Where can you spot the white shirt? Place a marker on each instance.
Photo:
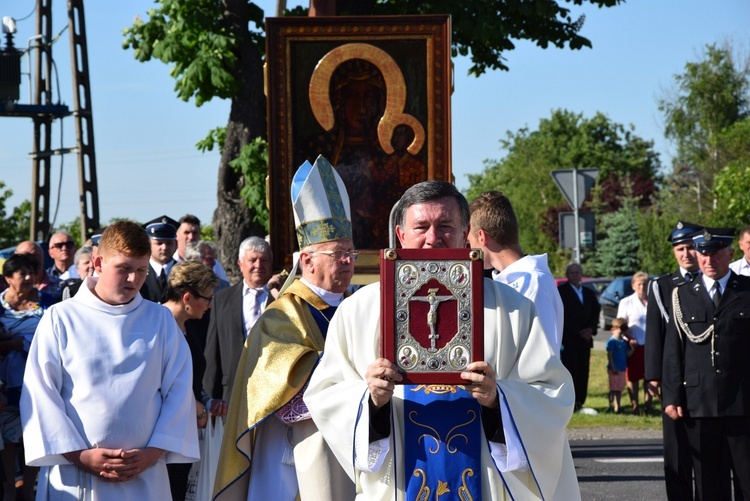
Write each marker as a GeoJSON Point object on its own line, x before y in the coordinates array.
{"type": "Point", "coordinates": [253, 301]}
{"type": "Point", "coordinates": [708, 283]}
{"type": "Point", "coordinates": [633, 309]}
{"type": "Point", "coordinates": [158, 267]}
{"type": "Point", "coordinates": [740, 267]}
{"type": "Point", "coordinates": [532, 277]}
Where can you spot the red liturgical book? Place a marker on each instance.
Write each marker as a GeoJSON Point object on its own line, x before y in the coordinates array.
{"type": "Point", "coordinates": [431, 312]}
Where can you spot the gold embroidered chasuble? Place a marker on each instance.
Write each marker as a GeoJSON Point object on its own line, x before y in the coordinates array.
{"type": "Point", "coordinates": [279, 355]}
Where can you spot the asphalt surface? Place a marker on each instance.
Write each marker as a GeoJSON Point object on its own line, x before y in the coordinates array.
{"type": "Point", "coordinates": [629, 469]}
{"type": "Point", "coordinates": [617, 464]}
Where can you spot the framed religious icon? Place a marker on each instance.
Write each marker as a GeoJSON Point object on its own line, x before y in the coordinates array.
{"type": "Point", "coordinates": [370, 94]}
{"type": "Point", "coordinates": [431, 312]}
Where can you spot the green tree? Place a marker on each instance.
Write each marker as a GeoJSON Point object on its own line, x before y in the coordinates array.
{"type": "Point", "coordinates": [563, 141]}
{"type": "Point", "coordinates": [619, 243]}
{"type": "Point", "coordinates": [217, 48]}
{"type": "Point", "coordinates": [655, 253]}
{"type": "Point", "coordinates": [16, 226]}
{"type": "Point", "coordinates": [711, 96]}
{"type": "Point", "coordinates": [732, 183]}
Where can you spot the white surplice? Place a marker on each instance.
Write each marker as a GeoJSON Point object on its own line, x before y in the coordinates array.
{"type": "Point", "coordinates": [532, 277]}
{"type": "Point", "coordinates": [107, 376]}
{"type": "Point", "coordinates": [536, 391]}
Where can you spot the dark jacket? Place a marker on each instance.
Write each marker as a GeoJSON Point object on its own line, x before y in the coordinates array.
{"type": "Point", "coordinates": [224, 341]}
{"type": "Point", "coordinates": [578, 316]}
{"type": "Point", "coordinates": [659, 293]}
{"type": "Point", "coordinates": [706, 385]}
{"type": "Point", "coordinates": [151, 289]}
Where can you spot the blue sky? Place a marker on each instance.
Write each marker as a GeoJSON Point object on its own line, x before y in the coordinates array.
{"type": "Point", "coordinates": [144, 136]}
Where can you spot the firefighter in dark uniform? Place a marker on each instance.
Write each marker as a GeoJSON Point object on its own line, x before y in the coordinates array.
{"type": "Point", "coordinates": [678, 467]}
{"type": "Point", "coordinates": [706, 376]}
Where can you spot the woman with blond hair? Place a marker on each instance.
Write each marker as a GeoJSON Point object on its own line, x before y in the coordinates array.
{"type": "Point", "coordinates": [190, 292]}
{"type": "Point", "coordinates": [633, 308]}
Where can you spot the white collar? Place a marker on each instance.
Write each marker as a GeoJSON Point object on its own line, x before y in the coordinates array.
{"type": "Point", "coordinates": [331, 298]}
{"type": "Point", "coordinates": [256, 292]}
{"type": "Point", "coordinates": [709, 282]}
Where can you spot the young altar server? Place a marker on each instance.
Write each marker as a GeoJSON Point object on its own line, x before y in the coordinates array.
{"type": "Point", "coordinates": [107, 394]}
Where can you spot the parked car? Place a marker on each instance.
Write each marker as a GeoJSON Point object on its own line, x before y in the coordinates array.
{"type": "Point", "coordinates": [610, 297]}
{"type": "Point", "coordinates": [596, 284]}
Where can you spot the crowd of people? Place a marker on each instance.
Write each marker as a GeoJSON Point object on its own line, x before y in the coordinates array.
{"type": "Point", "coordinates": [116, 356]}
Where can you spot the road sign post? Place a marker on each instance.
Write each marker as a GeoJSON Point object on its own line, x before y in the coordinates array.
{"type": "Point", "coordinates": [575, 185]}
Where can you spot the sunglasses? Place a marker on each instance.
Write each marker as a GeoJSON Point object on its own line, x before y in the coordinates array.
{"type": "Point", "coordinates": [69, 244]}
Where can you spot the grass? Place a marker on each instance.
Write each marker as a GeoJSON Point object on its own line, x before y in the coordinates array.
{"type": "Point", "coordinates": [598, 398]}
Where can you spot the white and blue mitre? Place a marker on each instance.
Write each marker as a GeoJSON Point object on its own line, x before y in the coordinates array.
{"type": "Point", "coordinates": [321, 208]}
{"type": "Point", "coordinates": [320, 203]}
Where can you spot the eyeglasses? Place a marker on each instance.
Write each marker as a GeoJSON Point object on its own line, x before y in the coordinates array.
{"type": "Point", "coordinates": [209, 299]}
{"type": "Point", "coordinates": [339, 255]}
{"type": "Point", "coordinates": [69, 244]}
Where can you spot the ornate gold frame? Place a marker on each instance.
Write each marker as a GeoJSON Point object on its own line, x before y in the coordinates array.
{"type": "Point", "coordinates": [413, 55]}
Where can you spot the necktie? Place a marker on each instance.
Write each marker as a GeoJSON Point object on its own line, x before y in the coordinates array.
{"type": "Point", "coordinates": [688, 276]}
{"type": "Point", "coordinates": [162, 280]}
{"type": "Point", "coordinates": [251, 309]}
{"type": "Point", "coordinates": [256, 304]}
{"type": "Point", "coordinates": [717, 294]}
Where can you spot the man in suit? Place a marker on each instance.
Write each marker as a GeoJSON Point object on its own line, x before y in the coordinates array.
{"type": "Point", "coordinates": [235, 311]}
{"type": "Point", "coordinates": [581, 319]}
{"type": "Point", "coordinates": [678, 469]}
{"type": "Point", "coordinates": [705, 378]}
{"type": "Point", "coordinates": [162, 232]}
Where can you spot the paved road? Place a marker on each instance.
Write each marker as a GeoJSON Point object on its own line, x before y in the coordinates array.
{"type": "Point", "coordinates": [619, 469]}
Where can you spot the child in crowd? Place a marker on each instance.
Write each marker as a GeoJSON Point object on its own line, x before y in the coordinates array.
{"type": "Point", "coordinates": [618, 351]}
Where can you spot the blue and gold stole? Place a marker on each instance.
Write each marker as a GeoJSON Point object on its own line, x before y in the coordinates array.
{"type": "Point", "coordinates": [442, 443]}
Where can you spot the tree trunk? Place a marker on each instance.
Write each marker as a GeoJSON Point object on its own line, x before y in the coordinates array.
{"type": "Point", "coordinates": [233, 221]}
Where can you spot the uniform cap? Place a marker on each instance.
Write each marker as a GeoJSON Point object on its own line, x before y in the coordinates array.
{"type": "Point", "coordinates": [162, 228]}
{"type": "Point", "coordinates": [96, 235]}
{"type": "Point", "coordinates": [713, 239]}
{"type": "Point", "coordinates": [683, 232]}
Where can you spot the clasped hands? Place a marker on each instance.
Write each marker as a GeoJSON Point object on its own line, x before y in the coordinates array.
{"type": "Point", "coordinates": [382, 375]}
{"type": "Point", "coordinates": [115, 465]}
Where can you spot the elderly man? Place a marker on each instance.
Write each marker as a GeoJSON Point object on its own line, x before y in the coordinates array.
{"type": "Point", "coordinates": [705, 378]}
{"type": "Point", "coordinates": [162, 233]}
{"type": "Point", "coordinates": [678, 469]}
{"type": "Point", "coordinates": [580, 323]}
{"type": "Point", "coordinates": [235, 311]}
{"type": "Point", "coordinates": [62, 249]}
{"type": "Point", "coordinates": [509, 417]}
{"type": "Point", "coordinates": [41, 280]}
{"type": "Point", "coordinates": [271, 448]}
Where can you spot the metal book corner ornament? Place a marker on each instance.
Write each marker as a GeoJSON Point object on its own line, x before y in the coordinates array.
{"type": "Point", "coordinates": [432, 312]}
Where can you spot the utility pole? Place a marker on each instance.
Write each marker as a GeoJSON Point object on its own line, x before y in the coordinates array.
{"type": "Point", "coordinates": [43, 113]}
